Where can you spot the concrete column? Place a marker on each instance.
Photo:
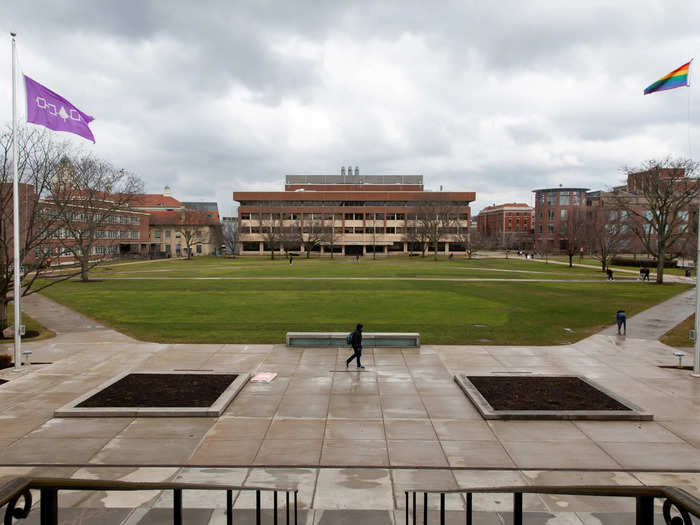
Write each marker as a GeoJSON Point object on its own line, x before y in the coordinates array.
{"type": "Point", "coordinates": [386, 249]}
{"type": "Point", "coordinates": [447, 248]}
{"type": "Point", "coordinates": [405, 247]}
{"type": "Point", "coordinates": [342, 250]}
{"type": "Point", "coordinates": [262, 247]}
{"type": "Point", "coordinates": [364, 249]}
{"type": "Point", "coordinates": [322, 250]}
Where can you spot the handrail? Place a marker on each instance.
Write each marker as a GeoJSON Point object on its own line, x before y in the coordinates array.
{"type": "Point", "coordinates": [14, 490]}
{"type": "Point", "coordinates": [684, 502]}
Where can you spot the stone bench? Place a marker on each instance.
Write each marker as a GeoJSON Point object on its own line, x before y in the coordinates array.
{"type": "Point", "coordinates": [369, 339]}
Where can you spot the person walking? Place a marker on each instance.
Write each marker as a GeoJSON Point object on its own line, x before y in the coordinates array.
{"type": "Point", "coordinates": [609, 272]}
{"type": "Point", "coordinates": [356, 342]}
{"type": "Point", "coordinates": [621, 318]}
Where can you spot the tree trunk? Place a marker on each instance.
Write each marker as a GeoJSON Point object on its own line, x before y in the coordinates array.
{"type": "Point", "coordinates": [3, 315]}
{"type": "Point", "coordinates": [660, 268]}
{"type": "Point", "coordinates": [602, 262]}
{"type": "Point", "coordinates": [571, 259]}
{"type": "Point", "coordinates": [272, 253]}
{"type": "Point", "coordinates": [84, 264]}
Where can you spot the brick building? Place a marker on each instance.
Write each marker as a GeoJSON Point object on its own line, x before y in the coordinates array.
{"type": "Point", "coordinates": [554, 209]}
{"type": "Point", "coordinates": [358, 214]}
{"type": "Point", "coordinates": [174, 225]}
{"type": "Point", "coordinates": [507, 225]}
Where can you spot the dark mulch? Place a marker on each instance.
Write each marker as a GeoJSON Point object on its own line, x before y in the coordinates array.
{"type": "Point", "coordinates": [542, 393]}
{"type": "Point", "coordinates": [684, 367]}
{"type": "Point", "coordinates": [11, 364]}
{"type": "Point", "coordinates": [162, 390]}
{"type": "Point", "coordinates": [2, 381]}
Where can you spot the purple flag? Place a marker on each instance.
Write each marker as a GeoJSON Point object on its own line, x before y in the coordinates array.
{"type": "Point", "coordinates": [49, 109]}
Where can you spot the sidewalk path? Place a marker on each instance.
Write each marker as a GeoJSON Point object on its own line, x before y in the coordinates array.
{"type": "Point", "coordinates": [654, 322]}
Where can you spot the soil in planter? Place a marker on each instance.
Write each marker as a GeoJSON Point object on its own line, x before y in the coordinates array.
{"type": "Point", "coordinates": [543, 393]}
{"type": "Point", "coordinates": [162, 390]}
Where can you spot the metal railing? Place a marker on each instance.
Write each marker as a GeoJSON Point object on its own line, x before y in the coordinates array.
{"type": "Point", "coordinates": [18, 491]}
{"type": "Point", "coordinates": [685, 504]}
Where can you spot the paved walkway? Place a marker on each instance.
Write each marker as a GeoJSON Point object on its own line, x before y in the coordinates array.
{"type": "Point", "coordinates": [654, 322]}
{"type": "Point", "coordinates": [348, 440]}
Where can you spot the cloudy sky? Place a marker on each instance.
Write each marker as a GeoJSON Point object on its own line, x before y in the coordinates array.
{"type": "Point", "coordinates": [212, 97]}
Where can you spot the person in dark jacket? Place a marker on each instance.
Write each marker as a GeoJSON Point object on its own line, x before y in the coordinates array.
{"type": "Point", "coordinates": [621, 318]}
{"type": "Point", "coordinates": [356, 342]}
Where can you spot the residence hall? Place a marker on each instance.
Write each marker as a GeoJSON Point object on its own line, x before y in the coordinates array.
{"type": "Point", "coordinates": [357, 214]}
{"type": "Point", "coordinates": [554, 209]}
{"type": "Point", "coordinates": [508, 225]}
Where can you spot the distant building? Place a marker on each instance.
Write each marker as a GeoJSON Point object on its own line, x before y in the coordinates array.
{"type": "Point", "coordinates": [507, 225]}
{"type": "Point", "coordinates": [356, 214]}
{"type": "Point", "coordinates": [553, 209]}
{"type": "Point", "coordinates": [175, 224]}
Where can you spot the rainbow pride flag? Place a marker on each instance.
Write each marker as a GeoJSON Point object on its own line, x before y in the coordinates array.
{"type": "Point", "coordinates": [676, 78]}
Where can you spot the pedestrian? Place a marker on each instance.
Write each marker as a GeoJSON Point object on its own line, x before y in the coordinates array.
{"type": "Point", "coordinates": [291, 258]}
{"type": "Point", "coordinates": [609, 272]}
{"type": "Point", "coordinates": [687, 272]}
{"type": "Point", "coordinates": [621, 318]}
{"type": "Point", "coordinates": [641, 274]}
{"type": "Point", "coordinates": [356, 342]}
{"type": "Point", "coordinates": [646, 273]}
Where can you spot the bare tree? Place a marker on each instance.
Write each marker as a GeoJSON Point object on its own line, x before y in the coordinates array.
{"type": "Point", "coordinates": [272, 231]}
{"type": "Point", "coordinates": [230, 237]}
{"type": "Point", "coordinates": [328, 232]}
{"type": "Point", "coordinates": [605, 234]}
{"type": "Point", "coordinates": [37, 157]}
{"type": "Point", "coordinates": [195, 228]}
{"type": "Point", "coordinates": [88, 195]}
{"type": "Point", "coordinates": [311, 232]}
{"type": "Point", "coordinates": [434, 221]}
{"type": "Point", "coordinates": [658, 199]}
{"type": "Point", "coordinates": [575, 232]}
{"type": "Point", "coordinates": [413, 236]}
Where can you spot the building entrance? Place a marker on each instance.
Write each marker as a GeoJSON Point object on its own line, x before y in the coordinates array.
{"type": "Point", "coordinates": [353, 250]}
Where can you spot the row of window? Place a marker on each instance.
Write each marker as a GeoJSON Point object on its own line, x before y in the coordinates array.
{"type": "Point", "coordinates": [65, 233]}
{"type": "Point", "coordinates": [566, 198]}
{"type": "Point", "coordinates": [357, 229]}
{"type": "Point", "coordinates": [61, 251]}
{"type": "Point", "coordinates": [354, 203]}
{"type": "Point", "coordinates": [96, 218]}
{"type": "Point", "coordinates": [166, 233]}
{"type": "Point", "coordinates": [337, 217]}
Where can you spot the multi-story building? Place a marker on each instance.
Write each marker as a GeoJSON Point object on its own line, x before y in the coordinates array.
{"type": "Point", "coordinates": [176, 227]}
{"type": "Point", "coordinates": [350, 214]}
{"type": "Point", "coordinates": [554, 211]}
{"type": "Point", "coordinates": [507, 225]}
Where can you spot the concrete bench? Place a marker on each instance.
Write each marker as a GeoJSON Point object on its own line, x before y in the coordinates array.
{"type": "Point", "coordinates": [369, 339]}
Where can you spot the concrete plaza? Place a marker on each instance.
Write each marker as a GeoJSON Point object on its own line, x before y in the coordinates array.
{"type": "Point", "coordinates": [352, 439]}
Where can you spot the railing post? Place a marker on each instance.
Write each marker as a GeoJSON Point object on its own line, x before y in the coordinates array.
{"type": "Point", "coordinates": [469, 508]}
{"type": "Point", "coordinates": [295, 506]}
{"type": "Point", "coordinates": [274, 510]}
{"type": "Point", "coordinates": [517, 508]}
{"type": "Point", "coordinates": [229, 507]}
{"type": "Point", "coordinates": [49, 506]}
{"type": "Point", "coordinates": [425, 508]}
{"type": "Point", "coordinates": [645, 510]}
{"type": "Point", "coordinates": [287, 495]}
{"type": "Point", "coordinates": [414, 507]}
{"type": "Point", "coordinates": [442, 508]}
{"type": "Point", "coordinates": [406, 509]}
{"type": "Point", "coordinates": [257, 507]}
{"type": "Point", "coordinates": [177, 506]}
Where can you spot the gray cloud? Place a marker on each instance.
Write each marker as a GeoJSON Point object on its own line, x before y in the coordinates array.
{"type": "Point", "coordinates": [494, 98]}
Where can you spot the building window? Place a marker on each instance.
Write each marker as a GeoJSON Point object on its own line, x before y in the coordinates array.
{"type": "Point", "coordinates": [199, 248]}
{"type": "Point", "coordinates": [156, 234]}
{"type": "Point", "coordinates": [550, 228]}
{"type": "Point", "coordinates": [245, 216]}
{"type": "Point", "coordinates": [551, 198]}
{"type": "Point", "coordinates": [539, 228]}
{"type": "Point", "coordinates": [400, 216]}
{"type": "Point", "coordinates": [576, 198]}
{"type": "Point", "coordinates": [564, 198]}
{"type": "Point", "coordinates": [563, 215]}
{"type": "Point", "coordinates": [167, 234]}
{"type": "Point", "coordinates": [391, 230]}
{"type": "Point", "coordinates": [348, 229]}
{"type": "Point", "coordinates": [550, 215]}
{"type": "Point", "coordinates": [540, 198]}
{"type": "Point", "coordinates": [348, 216]}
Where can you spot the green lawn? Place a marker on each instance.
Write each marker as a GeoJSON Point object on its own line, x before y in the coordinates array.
{"type": "Point", "coordinates": [680, 334]}
{"type": "Point", "coordinates": [29, 324]}
{"type": "Point", "coordinates": [444, 312]}
{"type": "Point", "coordinates": [405, 267]}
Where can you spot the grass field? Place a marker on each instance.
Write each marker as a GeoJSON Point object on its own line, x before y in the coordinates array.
{"type": "Point", "coordinates": [679, 335]}
{"type": "Point", "coordinates": [197, 301]}
{"type": "Point", "coordinates": [29, 324]}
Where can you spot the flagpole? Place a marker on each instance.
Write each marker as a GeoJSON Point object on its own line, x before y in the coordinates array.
{"type": "Point", "coordinates": [17, 291]}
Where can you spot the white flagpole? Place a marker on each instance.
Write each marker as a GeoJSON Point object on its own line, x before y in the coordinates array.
{"type": "Point", "coordinates": [17, 291]}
